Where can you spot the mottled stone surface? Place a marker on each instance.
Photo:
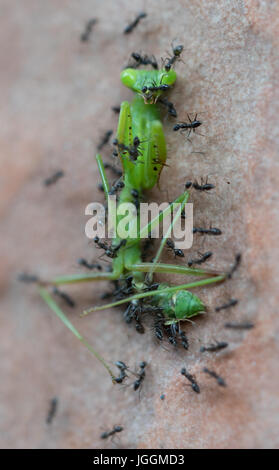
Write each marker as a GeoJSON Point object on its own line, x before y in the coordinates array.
{"type": "Point", "coordinates": [56, 95]}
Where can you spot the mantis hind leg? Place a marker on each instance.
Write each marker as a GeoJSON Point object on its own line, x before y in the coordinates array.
{"type": "Point", "coordinates": [60, 314]}
{"type": "Point", "coordinates": [78, 278]}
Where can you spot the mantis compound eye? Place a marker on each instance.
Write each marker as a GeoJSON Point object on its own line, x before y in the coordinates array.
{"type": "Point", "coordinates": [129, 78]}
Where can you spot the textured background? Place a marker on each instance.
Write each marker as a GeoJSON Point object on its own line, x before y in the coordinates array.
{"type": "Point", "coordinates": [56, 98]}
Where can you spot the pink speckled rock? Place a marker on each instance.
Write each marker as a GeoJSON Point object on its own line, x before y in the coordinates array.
{"type": "Point", "coordinates": [56, 98]}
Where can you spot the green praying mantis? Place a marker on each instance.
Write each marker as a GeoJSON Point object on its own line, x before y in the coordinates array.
{"type": "Point", "coordinates": [141, 147]}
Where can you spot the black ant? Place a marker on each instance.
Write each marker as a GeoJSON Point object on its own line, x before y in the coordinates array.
{"type": "Point", "coordinates": [99, 243]}
{"type": "Point", "coordinates": [147, 91]}
{"type": "Point", "coordinates": [133, 150]}
{"type": "Point", "coordinates": [115, 430]}
{"type": "Point", "coordinates": [170, 107]}
{"type": "Point", "coordinates": [239, 326]}
{"type": "Point", "coordinates": [88, 28]}
{"type": "Point", "coordinates": [135, 195]}
{"type": "Point", "coordinates": [67, 299]}
{"type": "Point", "coordinates": [52, 410]}
{"type": "Point", "coordinates": [235, 266]}
{"type": "Point", "coordinates": [172, 331]}
{"type": "Point", "coordinates": [105, 139]}
{"type": "Point", "coordinates": [204, 257]}
{"type": "Point", "coordinates": [144, 60]}
{"type": "Point", "coordinates": [123, 291]}
{"type": "Point", "coordinates": [129, 313]}
{"type": "Point", "coordinates": [230, 303]}
{"type": "Point", "coordinates": [151, 287]}
{"type": "Point", "coordinates": [177, 50]}
{"type": "Point", "coordinates": [139, 326]}
{"type": "Point", "coordinates": [133, 312]}
{"type": "Point", "coordinates": [204, 186]}
{"type": "Point", "coordinates": [207, 231]}
{"type": "Point", "coordinates": [134, 23]}
{"type": "Point", "coordinates": [141, 375]}
{"type": "Point", "coordinates": [27, 278]}
{"type": "Point", "coordinates": [191, 379]}
{"type": "Point", "coordinates": [176, 251]}
{"type": "Point", "coordinates": [218, 346]}
{"type": "Point", "coordinates": [213, 374]}
{"type": "Point", "coordinates": [154, 87]}
{"type": "Point", "coordinates": [184, 340]}
{"type": "Point", "coordinates": [158, 328]}
{"type": "Point", "coordinates": [191, 126]}
{"type": "Point", "coordinates": [116, 109]}
{"type": "Point", "coordinates": [116, 187]}
{"type": "Point", "coordinates": [111, 252]}
{"type": "Point", "coordinates": [86, 264]}
{"type": "Point", "coordinates": [123, 368]}
{"type": "Point", "coordinates": [55, 177]}
{"type": "Point", "coordinates": [116, 171]}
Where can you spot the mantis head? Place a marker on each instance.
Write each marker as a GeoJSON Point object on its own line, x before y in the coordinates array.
{"type": "Point", "coordinates": [150, 84]}
{"type": "Point", "coordinates": [180, 305]}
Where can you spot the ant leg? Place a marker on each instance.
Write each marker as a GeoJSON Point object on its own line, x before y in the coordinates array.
{"type": "Point", "coordinates": [189, 133]}
{"type": "Point", "coordinates": [198, 133]}
{"type": "Point", "coordinates": [60, 314]}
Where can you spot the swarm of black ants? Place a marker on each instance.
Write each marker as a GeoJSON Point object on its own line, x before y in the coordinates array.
{"type": "Point", "coordinates": [121, 289]}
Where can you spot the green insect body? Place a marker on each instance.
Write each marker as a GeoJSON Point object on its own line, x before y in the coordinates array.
{"type": "Point", "coordinates": [179, 306]}
{"type": "Point", "coordinates": [141, 120]}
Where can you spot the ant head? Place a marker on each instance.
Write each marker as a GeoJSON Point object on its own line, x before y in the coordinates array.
{"type": "Point", "coordinates": [177, 50]}
{"type": "Point", "coordinates": [136, 56]}
{"type": "Point", "coordinates": [118, 428]}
